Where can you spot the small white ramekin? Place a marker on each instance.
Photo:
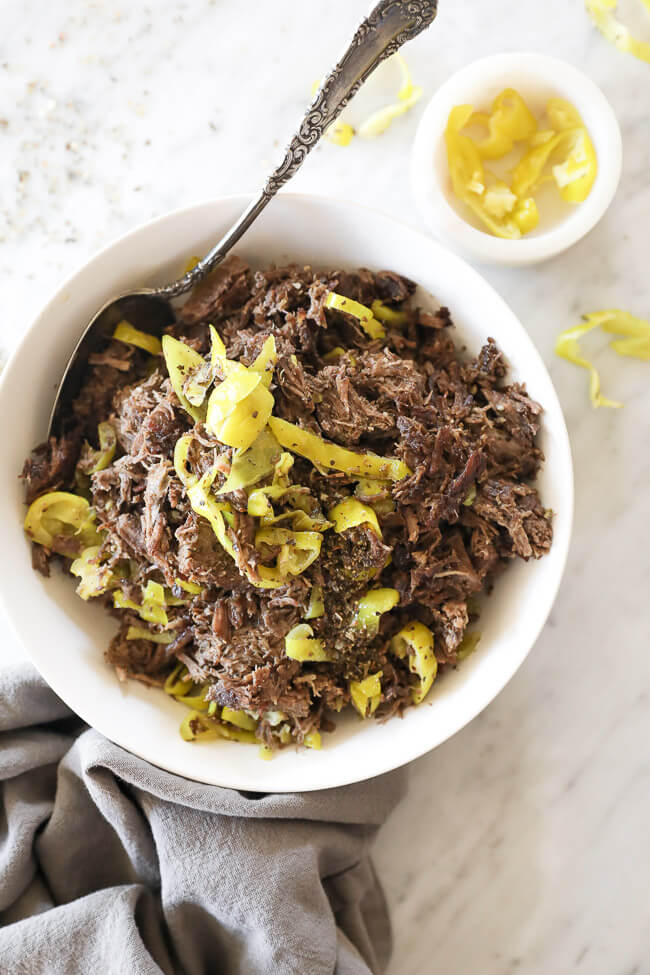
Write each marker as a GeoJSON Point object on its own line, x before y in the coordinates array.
{"type": "Point", "coordinates": [536, 77]}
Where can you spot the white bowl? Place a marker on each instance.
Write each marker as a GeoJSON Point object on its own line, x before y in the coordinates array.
{"type": "Point", "coordinates": [537, 78]}
{"type": "Point", "coordinates": [66, 637]}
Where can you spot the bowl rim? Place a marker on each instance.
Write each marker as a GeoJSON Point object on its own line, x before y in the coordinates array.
{"type": "Point", "coordinates": [432, 200]}
{"type": "Point", "coordinates": [560, 545]}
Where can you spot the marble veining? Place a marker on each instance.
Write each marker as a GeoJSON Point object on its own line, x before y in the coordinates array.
{"type": "Point", "coordinates": [523, 845]}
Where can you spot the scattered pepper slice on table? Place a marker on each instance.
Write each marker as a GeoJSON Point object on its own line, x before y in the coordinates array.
{"type": "Point", "coordinates": [635, 344]}
{"type": "Point", "coordinates": [602, 13]}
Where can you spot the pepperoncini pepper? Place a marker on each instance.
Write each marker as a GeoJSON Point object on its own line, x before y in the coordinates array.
{"type": "Point", "coordinates": [577, 167]}
{"type": "Point", "coordinates": [469, 180]}
{"type": "Point", "coordinates": [603, 14]}
{"type": "Point", "coordinates": [510, 121]}
{"type": "Point", "coordinates": [563, 153]}
{"type": "Point", "coordinates": [62, 522]}
{"type": "Point", "coordinates": [351, 513]}
{"type": "Point", "coordinates": [301, 644]}
{"type": "Point", "coordinates": [328, 456]}
{"type": "Point", "coordinates": [95, 577]}
{"type": "Point", "coordinates": [366, 694]}
{"type": "Point", "coordinates": [364, 315]}
{"type": "Point", "coordinates": [125, 332]}
{"type": "Point", "coordinates": [91, 461]}
{"type": "Point", "coordinates": [152, 609]}
{"type": "Point", "coordinates": [415, 641]}
{"type": "Point", "coordinates": [372, 606]}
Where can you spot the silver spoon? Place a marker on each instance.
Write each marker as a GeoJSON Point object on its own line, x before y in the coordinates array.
{"type": "Point", "coordinates": [389, 25]}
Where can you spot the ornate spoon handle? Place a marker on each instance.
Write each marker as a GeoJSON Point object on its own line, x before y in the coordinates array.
{"type": "Point", "coordinates": [389, 25]}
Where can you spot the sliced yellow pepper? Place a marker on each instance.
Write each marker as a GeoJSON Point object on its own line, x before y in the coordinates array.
{"type": "Point", "coordinates": [212, 510]}
{"type": "Point", "coordinates": [416, 640]}
{"type": "Point", "coordinates": [602, 13]}
{"type": "Point", "coordinates": [375, 493]}
{"type": "Point", "coordinates": [252, 465]}
{"type": "Point", "coordinates": [196, 726]}
{"type": "Point", "coordinates": [217, 513]}
{"type": "Point", "coordinates": [510, 121]}
{"type": "Point", "coordinates": [498, 199]}
{"type": "Point", "coordinates": [563, 115]}
{"type": "Point", "coordinates": [372, 606]}
{"type": "Point", "coordinates": [298, 549]}
{"type": "Point", "coordinates": [508, 210]}
{"type": "Point", "coordinates": [151, 609]}
{"type": "Point", "coordinates": [334, 354]}
{"type": "Point", "coordinates": [635, 343]}
{"type": "Point", "coordinates": [576, 174]}
{"type": "Point", "coordinates": [328, 456]}
{"type": "Point", "coordinates": [239, 718]}
{"type": "Point", "coordinates": [191, 587]}
{"type": "Point", "coordinates": [236, 734]}
{"type": "Point", "coordinates": [526, 215]}
{"type": "Point", "coordinates": [91, 460]}
{"type": "Point", "coordinates": [95, 578]}
{"type": "Point", "coordinates": [313, 740]}
{"type": "Point", "coordinates": [362, 313]}
{"type": "Point", "coordinates": [190, 264]}
{"type": "Point", "coordinates": [179, 682]}
{"type": "Point", "coordinates": [259, 505]}
{"type": "Point", "coordinates": [390, 316]}
{"type": "Point", "coordinates": [340, 133]}
{"type": "Point", "coordinates": [636, 331]}
{"type": "Point", "coordinates": [407, 96]}
{"type": "Point", "coordinates": [140, 633]}
{"type": "Point", "coordinates": [378, 122]}
{"type": "Point", "coordinates": [199, 494]}
{"type": "Point", "coordinates": [465, 164]}
{"type": "Point", "coordinates": [239, 408]}
{"type": "Point", "coordinates": [218, 360]}
{"type": "Point", "coordinates": [316, 605]}
{"type": "Point", "coordinates": [366, 694]}
{"type": "Point", "coordinates": [265, 361]}
{"type": "Point", "coordinates": [577, 170]}
{"type": "Point", "coordinates": [183, 362]}
{"type": "Point", "coordinates": [351, 513]}
{"type": "Point", "coordinates": [567, 347]}
{"type": "Point", "coordinates": [62, 522]}
{"type": "Point", "coordinates": [468, 178]}
{"type": "Point", "coordinates": [468, 645]}
{"type": "Point", "coordinates": [196, 701]}
{"type": "Point", "coordinates": [527, 174]}
{"type": "Point", "coordinates": [470, 497]}
{"type": "Point", "coordinates": [301, 644]}
{"type": "Point", "coordinates": [126, 333]}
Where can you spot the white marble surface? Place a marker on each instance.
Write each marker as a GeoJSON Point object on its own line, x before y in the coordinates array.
{"type": "Point", "coordinates": [523, 845]}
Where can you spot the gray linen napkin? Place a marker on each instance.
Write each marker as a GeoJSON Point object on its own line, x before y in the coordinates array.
{"type": "Point", "coordinates": [108, 864]}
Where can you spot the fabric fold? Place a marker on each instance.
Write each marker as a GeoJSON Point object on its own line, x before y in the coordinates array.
{"type": "Point", "coordinates": [108, 863]}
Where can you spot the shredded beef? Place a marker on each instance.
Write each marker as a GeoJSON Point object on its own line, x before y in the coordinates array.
{"type": "Point", "coordinates": [223, 289]}
{"type": "Point", "coordinates": [447, 530]}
